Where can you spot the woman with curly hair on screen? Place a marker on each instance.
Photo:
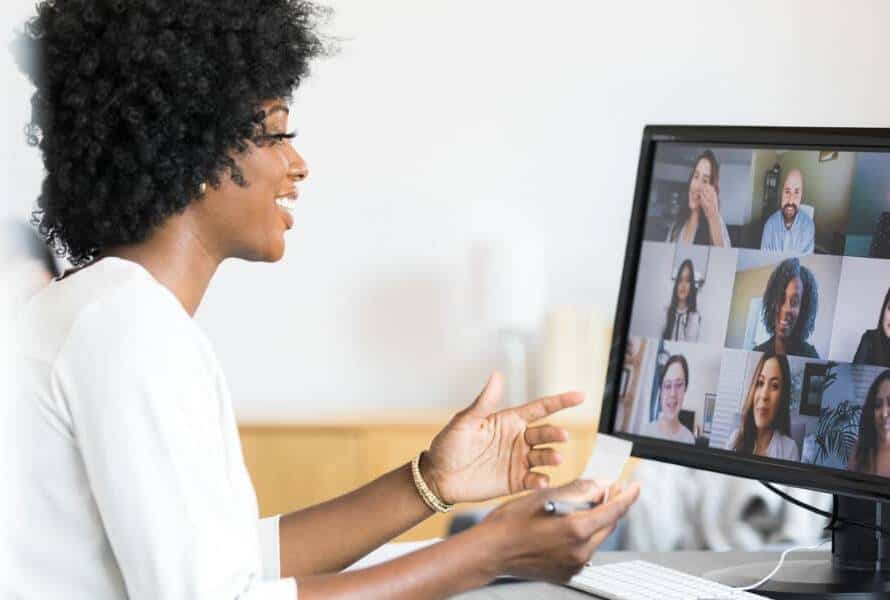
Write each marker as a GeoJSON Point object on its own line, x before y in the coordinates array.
{"type": "Point", "coordinates": [766, 415]}
{"type": "Point", "coordinates": [163, 126]}
{"type": "Point", "coordinates": [790, 304]}
{"type": "Point", "coordinates": [872, 451]}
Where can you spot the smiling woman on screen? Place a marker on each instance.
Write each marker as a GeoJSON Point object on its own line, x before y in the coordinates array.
{"type": "Point", "coordinates": [164, 130]}
{"type": "Point", "coordinates": [672, 385]}
{"type": "Point", "coordinates": [766, 415]}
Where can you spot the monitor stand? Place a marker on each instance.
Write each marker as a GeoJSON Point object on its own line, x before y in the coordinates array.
{"type": "Point", "coordinates": [859, 566]}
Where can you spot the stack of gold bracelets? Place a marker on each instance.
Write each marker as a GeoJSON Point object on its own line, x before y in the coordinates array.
{"type": "Point", "coordinates": [429, 498]}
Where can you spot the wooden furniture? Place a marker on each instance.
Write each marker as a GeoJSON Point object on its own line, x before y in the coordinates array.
{"type": "Point", "coordinates": [295, 466]}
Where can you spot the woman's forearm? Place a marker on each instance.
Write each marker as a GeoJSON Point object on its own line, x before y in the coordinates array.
{"type": "Point", "coordinates": [460, 563]}
{"type": "Point", "coordinates": [331, 536]}
{"type": "Point", "coordinates": [715, 227]}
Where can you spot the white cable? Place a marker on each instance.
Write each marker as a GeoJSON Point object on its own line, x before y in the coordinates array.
{"type": "Point", "coordinates": [779, 566]}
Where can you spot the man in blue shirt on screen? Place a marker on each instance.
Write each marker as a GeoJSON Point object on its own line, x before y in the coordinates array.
{"type": "Point", "coordinates": [788, 229]}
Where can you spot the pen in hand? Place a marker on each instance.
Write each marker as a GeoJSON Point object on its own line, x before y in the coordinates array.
{"type": "Point", "coordinates": [565, 507]}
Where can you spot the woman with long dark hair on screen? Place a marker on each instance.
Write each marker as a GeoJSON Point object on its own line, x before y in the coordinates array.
{"type": "Point", "coordinates": [872, 451]}
{"type": "Point", "coordinates": [699, 220]}
{"type": "Point", "coordinates": [683, 321]}
{"type": "Point", "coordinates": [163, 126]}
{"type": "Point", "coordinates": [766, 415]}
{"type": "Point", "coordinates": [672, 384]}
{"type": "Point", "coordinates": [874, 346]}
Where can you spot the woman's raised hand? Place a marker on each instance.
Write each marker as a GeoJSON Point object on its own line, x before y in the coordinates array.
{"type": "Point", "coordinates": [537, 545]}
{"type": "Point", "coordinates": [710, 202]}
{"type": "Point", "coordinates": [483, 454]}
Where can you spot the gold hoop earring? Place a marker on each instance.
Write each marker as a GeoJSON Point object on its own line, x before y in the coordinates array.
{"type": "Point", "coordinates": [202, 189]}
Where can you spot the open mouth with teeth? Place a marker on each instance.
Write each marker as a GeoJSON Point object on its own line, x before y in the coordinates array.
{"type": "Point", "coordinates": [288, 203]}
{"type": "Point", "coordinates": [785, 326]}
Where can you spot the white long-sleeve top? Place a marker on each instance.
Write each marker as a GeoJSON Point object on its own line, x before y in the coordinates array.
{"type": "Point", "coordinates": [125, 476]}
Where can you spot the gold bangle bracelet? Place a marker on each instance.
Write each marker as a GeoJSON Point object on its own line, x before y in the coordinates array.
{"type": "Point", "coordinates": [429, 498]}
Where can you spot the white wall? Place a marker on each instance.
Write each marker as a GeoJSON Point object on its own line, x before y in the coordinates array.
{"type": "Point", "coordinates": [447, 122]}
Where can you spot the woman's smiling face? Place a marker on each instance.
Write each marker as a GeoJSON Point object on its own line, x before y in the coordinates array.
{"type": "Point", "coordinates": [767, 394]}
{"type": "Point", "coordinates": [673, 392]}
{"type": "Point", "coordinates": [250, 222]}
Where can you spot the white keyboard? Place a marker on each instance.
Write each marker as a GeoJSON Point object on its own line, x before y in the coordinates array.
{"type": "Point", "coordinates": [641, 580]}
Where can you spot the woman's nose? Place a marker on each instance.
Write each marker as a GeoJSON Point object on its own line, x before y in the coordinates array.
{"type": "Point", "coordinates": [297, 170]}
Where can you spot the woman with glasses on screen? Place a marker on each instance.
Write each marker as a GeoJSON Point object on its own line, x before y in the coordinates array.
{"type": "Point", "coordinates": [683, 322]}
{"type": "Point", "coordinates": [672, 386]}
{"type": "Point", "coordinates": [874, 346]}
{"type": "Point", "coordinates": [766, 415]}
{"type": "Point", "coordinates": [699, 220]}
{"type": "Point", "coordinates": [872, 451]}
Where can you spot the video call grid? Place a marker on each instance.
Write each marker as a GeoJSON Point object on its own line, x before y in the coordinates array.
{"type": "Point", "coordinates": [812, 423]}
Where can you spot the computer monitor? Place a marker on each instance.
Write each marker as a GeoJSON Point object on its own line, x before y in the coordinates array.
{"type": "Point", "coordinates": [752, 331]}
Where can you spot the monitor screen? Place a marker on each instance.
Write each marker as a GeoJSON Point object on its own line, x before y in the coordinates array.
{"type": "Point", "coordinates": [753, 327]}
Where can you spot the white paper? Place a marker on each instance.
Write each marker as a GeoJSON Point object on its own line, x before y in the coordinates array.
{"type": "Point", "coordinates": [608, 458]}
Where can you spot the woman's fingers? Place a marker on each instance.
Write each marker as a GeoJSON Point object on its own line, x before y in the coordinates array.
{"type": "Point", "coordinates": [540, 408]}
{"type": "Point", "coordinates": [535, 481]}
{"type": "Point", "coordinates": [545, 434]}
{"type": "Point", "coordinates": [543, 457]}
{"type": "Point", "coordinates": [579, 490]}
{"type": "Point", "coordinates": [606, 515]}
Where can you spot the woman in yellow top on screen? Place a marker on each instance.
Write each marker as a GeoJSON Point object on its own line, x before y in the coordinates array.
{"type": "Point", "coordinates": [699, 220]}
{"type": "Point", "coordinates": [766, 416]}
{"type": "Point", "coordinates": [872, 451]}
{"type": "Point", "coordinates": [672, 385]}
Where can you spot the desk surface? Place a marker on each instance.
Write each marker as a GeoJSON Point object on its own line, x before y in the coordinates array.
{"type": "Point", "coordinates": [695, 563]}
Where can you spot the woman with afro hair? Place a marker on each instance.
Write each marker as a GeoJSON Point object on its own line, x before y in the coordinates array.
{"type": "Point", "coordinates": [163, 126]}
{"type": "Point", "coordinates": [790, 303]}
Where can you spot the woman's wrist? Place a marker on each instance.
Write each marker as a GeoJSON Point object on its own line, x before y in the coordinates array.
{"type": "Point", "coordinates": [431, 477]}
{"type": "Point", "coordinates": [491, 543]}
{"type": "Point", "coordinates": [427, 486]}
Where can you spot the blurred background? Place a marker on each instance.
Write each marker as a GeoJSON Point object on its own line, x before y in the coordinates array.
{"type": "Point", "coordinates": [472, 172]}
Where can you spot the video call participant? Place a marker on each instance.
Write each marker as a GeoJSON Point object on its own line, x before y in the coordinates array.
{"type": "Point", "coordinates": [765, 429]}
{"type": "Point", "coordinates": [790, 303]}
{"type": "Point", "coordinates": [874, 346]}
{"type": "Point", "coordinates": [683, 322]}
{"type": "Point", "coordinates": [699, 221]}
{"type": "Point", "coordinates": [788, 229]}
{"type": "Point", "coordinates": [872, 451]}
{"type": "Point", "coordinates": [672, 392]}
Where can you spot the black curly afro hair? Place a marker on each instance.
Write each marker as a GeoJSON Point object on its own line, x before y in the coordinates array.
{"type": "Point", "coordinates": [140, 101]}
{"type": "Point", "coordinates": [774, 296]}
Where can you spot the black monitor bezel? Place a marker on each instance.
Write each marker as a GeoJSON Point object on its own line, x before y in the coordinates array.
{"type": "Point", "coordinates": [804, 475]}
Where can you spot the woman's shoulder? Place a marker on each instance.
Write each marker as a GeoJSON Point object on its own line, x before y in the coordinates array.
{"type": "Point", "coordinates": [869, 336]}
{"type": "Point", "coordinates": [787, 447]}
{"type": "Point", "coordinates": [808, 350]}
{"type": "Point", "coordinates": [649, 428]}
{"type": "Point", "coordinates": [731, 440]}
{"type": "Point", "coordinates": [105, 308]}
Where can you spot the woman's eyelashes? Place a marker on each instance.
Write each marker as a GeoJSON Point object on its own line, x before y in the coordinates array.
{"type": "Point", "coordinates": [277, 138]}
{"type": "Point", "coordinates": [280, 137]}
